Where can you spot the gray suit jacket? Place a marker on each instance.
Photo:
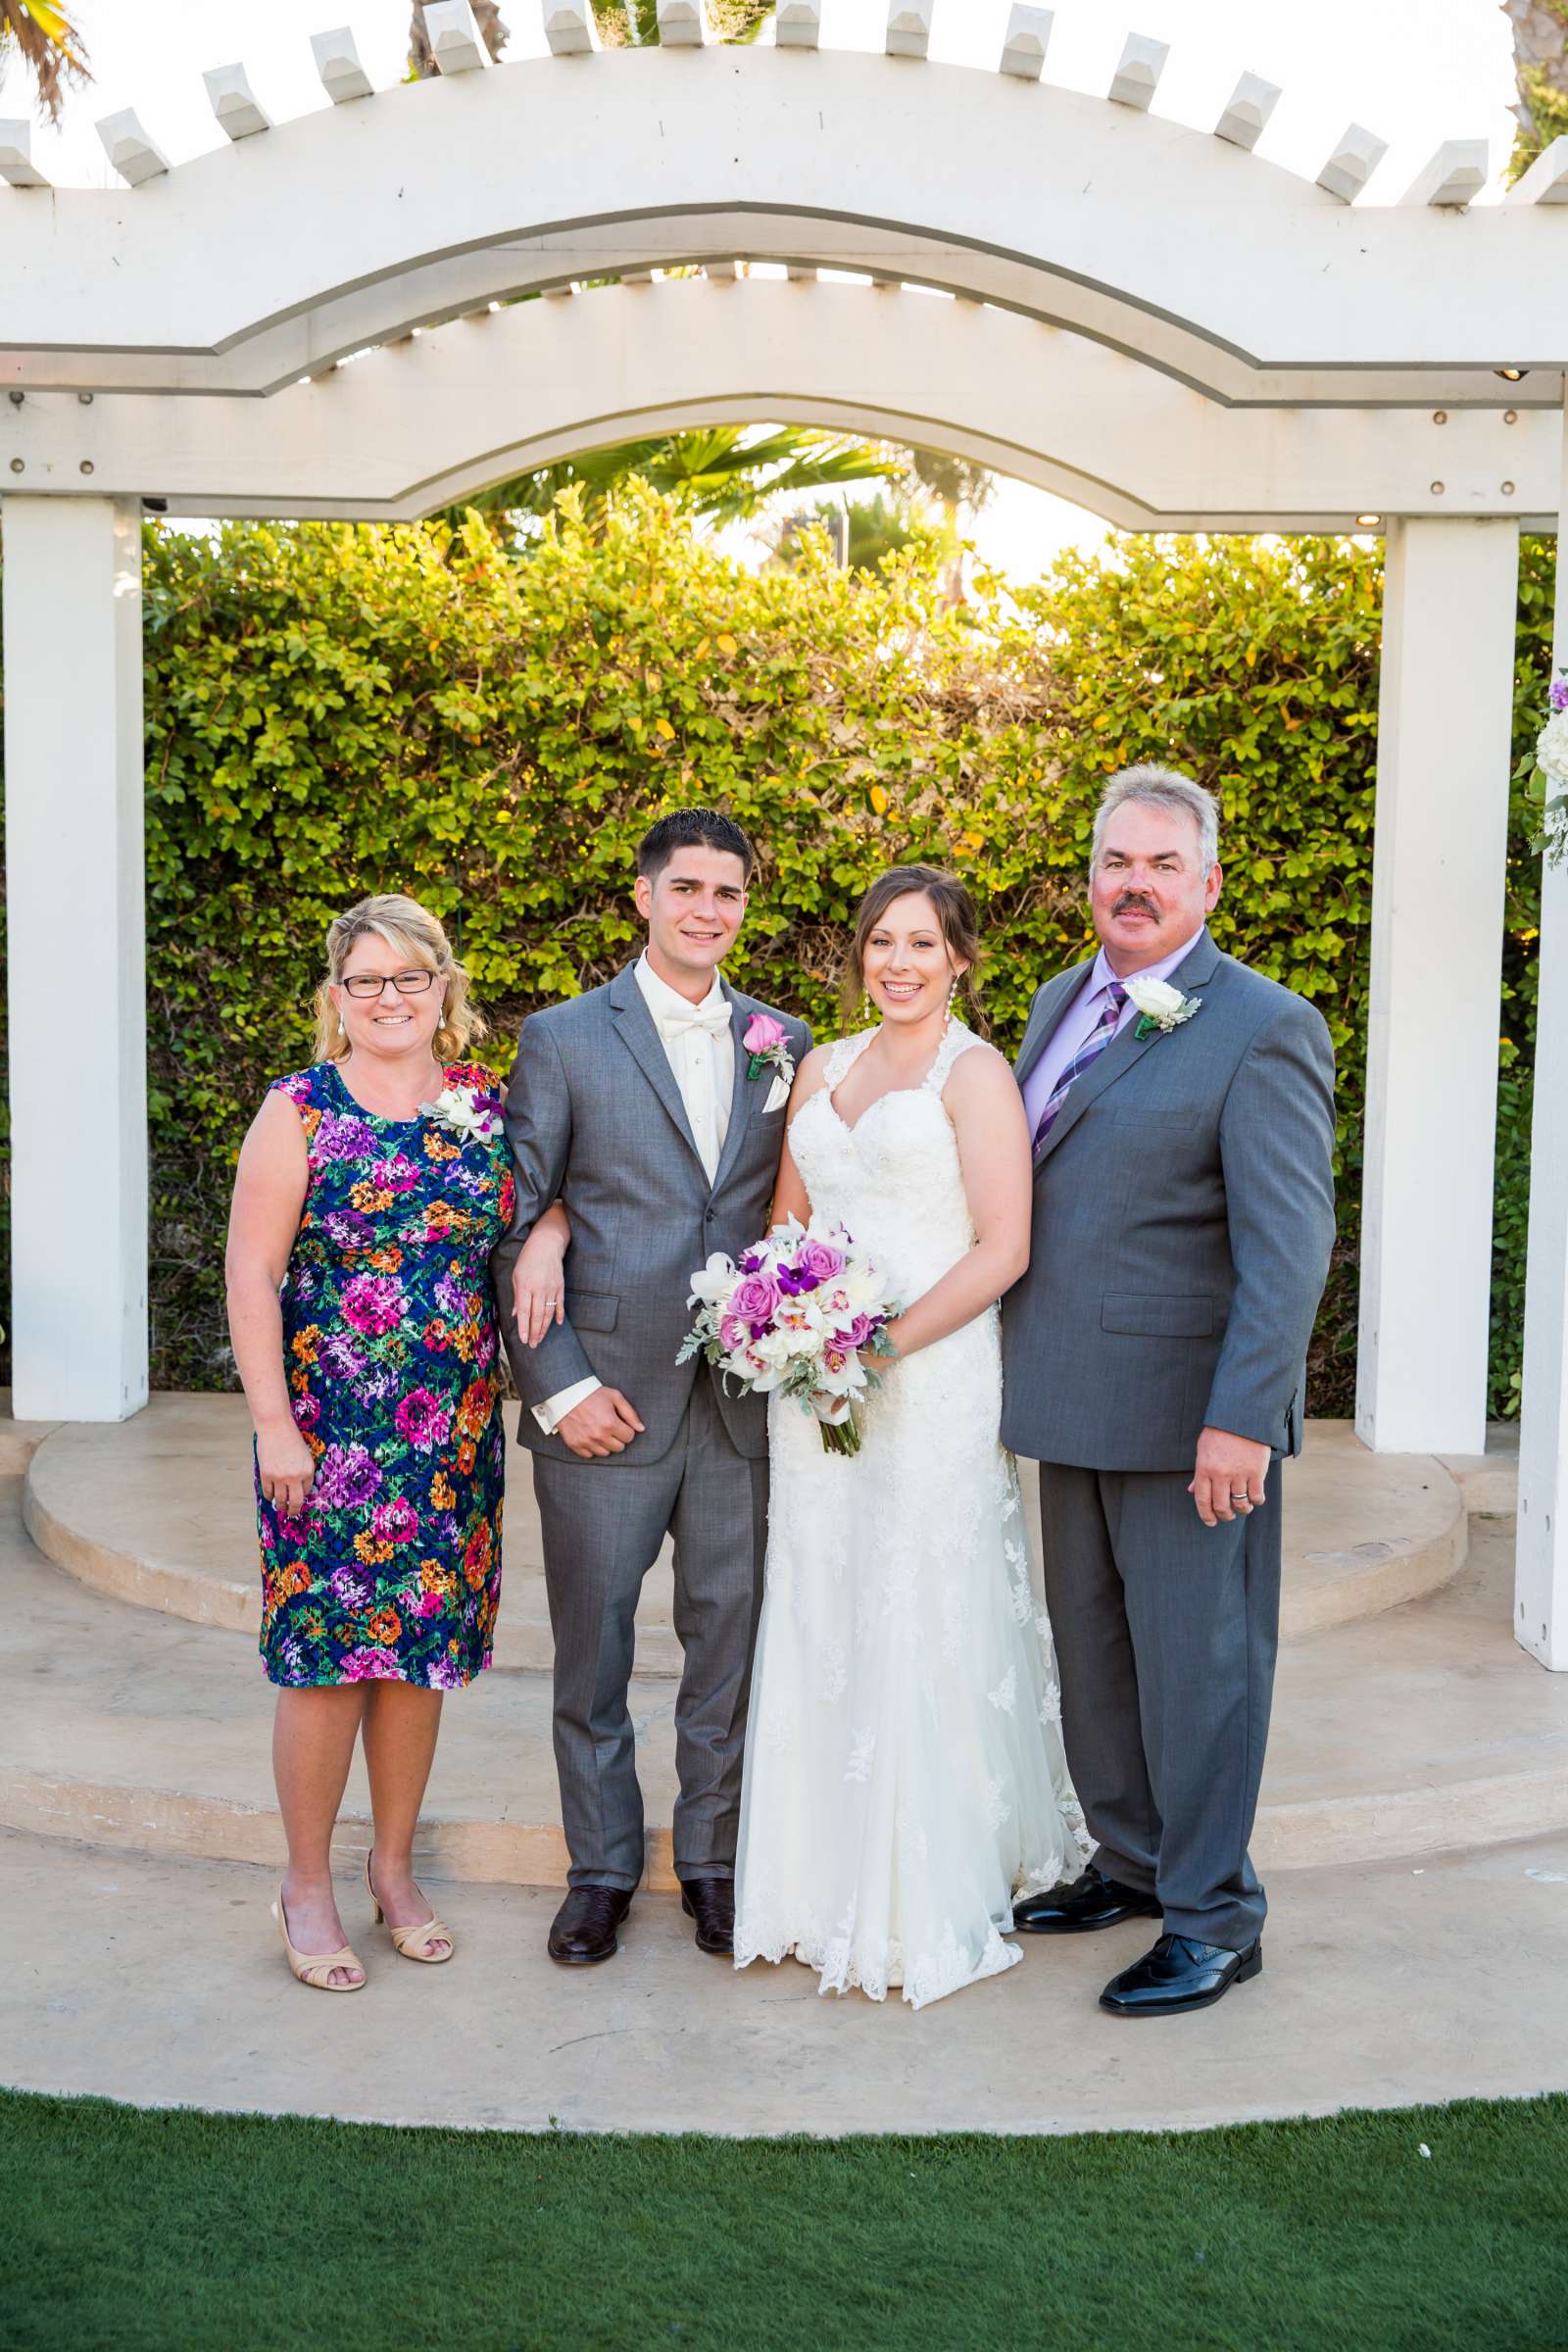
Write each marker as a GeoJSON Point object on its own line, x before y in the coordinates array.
{"type": "Point", "coordinates": [595, 1119]}
{"type": "Point", "coordinates": [1183, 1219]}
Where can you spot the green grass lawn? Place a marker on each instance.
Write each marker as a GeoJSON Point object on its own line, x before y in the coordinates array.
{"type": "Point", "coordinates": [122, 2227]}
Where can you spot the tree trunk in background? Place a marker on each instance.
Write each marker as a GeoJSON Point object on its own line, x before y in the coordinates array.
{"type": "Point", "coordinates": [1541, 70]}
{"type": "Point", "coordinates": [487, 16]}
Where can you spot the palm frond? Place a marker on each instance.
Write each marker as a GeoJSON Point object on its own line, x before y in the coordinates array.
{"type": "Point", "coordinates": [720, 474]}
{"type": "Point", "coordinates": [50, 47]}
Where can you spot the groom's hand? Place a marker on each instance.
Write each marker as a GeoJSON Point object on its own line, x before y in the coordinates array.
{"type": "Point", "coordinates": [604, 1423]}
{"type": "Point", "coordinates": [1229, 1480]}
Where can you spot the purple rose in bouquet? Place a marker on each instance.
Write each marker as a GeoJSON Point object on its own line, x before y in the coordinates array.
{"type": "Point", "coordinates": [754, 1302]}
{"type": "Point", "coordinates": [820, 1261]}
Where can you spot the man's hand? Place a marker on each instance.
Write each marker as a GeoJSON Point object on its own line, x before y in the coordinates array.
{"type": "Point", "coordinates": [1228, 1482]}
{"type": "Point", "coordinates": [604, 1423]}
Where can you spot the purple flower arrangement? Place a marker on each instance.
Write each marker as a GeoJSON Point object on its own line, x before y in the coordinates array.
{"type": "Point", "coordinates": [801, 1311]}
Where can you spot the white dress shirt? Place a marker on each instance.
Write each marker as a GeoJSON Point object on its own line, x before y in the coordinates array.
{"type": "Point", "coordinates": [699, 1045]}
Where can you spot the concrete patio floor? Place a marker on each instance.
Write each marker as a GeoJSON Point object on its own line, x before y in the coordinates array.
{"type": "Point", "coordinates": [162, 1983]}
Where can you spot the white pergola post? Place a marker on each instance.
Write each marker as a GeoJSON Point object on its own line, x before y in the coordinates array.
{"type": "Point", "coordinates": [1444, 714]}
{"type": "Point", "coordinates": [76, 960]}
{"type": "Point", "coordinates": [1541, 1560]}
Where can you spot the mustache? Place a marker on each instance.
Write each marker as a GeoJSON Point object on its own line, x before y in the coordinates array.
{"type": "Point", "coordinates": [1135, 898]}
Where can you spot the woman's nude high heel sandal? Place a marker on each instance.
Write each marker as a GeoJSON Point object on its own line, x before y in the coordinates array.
{"type": "Point", "coordinates": [409, 1939]}
{"type": "Point", "coordinates": [315, 1968]}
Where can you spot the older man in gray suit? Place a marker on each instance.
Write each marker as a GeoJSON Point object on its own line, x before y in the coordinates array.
{"type": "Point", "coordinates": [1182, 1109]}
{"type": "Point", "coordinates": [641, 1109]}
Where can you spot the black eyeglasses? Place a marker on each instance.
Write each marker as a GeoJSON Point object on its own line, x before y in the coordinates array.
{"type": "Point", "coordinates": [362, 987]}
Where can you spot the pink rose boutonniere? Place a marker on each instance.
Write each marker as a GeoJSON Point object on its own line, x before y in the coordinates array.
{"type": "Point", "coordinates": [769, 1050]}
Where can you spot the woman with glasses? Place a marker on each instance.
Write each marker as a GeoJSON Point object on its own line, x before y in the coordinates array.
{"type": "Point", "coordinates": [372, 1188]}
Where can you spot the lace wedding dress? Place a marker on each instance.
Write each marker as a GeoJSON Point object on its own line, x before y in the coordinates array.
{"type": "Point", "coordinates": [904, 1774]}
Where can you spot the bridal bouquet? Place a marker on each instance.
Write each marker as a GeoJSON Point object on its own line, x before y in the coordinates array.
{"type": "Point", "coordinates": [801, 1313]}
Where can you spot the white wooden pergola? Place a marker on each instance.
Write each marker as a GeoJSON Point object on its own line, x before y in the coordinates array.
{"type": "Point", "coordinates": [1145, 317]}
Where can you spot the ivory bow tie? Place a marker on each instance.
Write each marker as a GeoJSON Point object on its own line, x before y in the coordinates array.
{"type": "Point", "coordinates": [676, 1025]}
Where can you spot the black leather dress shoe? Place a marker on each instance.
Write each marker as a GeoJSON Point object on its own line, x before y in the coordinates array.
{"type": "Point", "coordinates": [712, 1903]}
{"type": "Point", "coordinates": [583, 1929]}
{"type": "Point", "coordinates": [1090, 1901]}
{"type": "Point", "coordinates": [1179, 1974]}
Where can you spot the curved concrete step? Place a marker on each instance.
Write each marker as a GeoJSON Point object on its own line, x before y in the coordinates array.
{"type": "Point", "coordinates": [159, 1511]}
{"type": "Point", "coordinates": [1423, 1728]}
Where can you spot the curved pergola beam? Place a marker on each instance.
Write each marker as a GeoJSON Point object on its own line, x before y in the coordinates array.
{"type": "Point", "coordinates": [342, 227]}
{"type": "Point", "coordinates": [433, 420]}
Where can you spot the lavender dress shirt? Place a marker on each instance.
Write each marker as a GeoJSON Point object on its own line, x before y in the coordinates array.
{"type": "Point", "coordinates": [1078, 1023]}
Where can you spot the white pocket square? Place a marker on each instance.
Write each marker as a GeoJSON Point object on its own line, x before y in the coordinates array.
{"type": "Point", "coordinates": [778, 1094]}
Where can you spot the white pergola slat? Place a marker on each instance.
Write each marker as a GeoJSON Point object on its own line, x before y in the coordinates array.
{"type": "Point", "coordinates": [1214, 263]}
{"type": "Point", "coordinates": [430, 421]}
{"type": "Point", "coordinates": [1151, 319]}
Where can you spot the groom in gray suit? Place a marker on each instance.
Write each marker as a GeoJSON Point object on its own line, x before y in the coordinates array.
{"type": "Point", "coordinates": [1182, 1109]}
{"type": "Point", "coordinates": [639, 1108]}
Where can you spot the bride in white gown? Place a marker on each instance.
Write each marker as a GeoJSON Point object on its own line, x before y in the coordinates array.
{"type": "Point", "coordinates": [904, 1775]}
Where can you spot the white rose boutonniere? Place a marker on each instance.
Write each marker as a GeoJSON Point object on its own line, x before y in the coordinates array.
{"type": "Point", "coordinates": [1161, 1006]}
{"type": "Point", "coordinates": [460, 1110]}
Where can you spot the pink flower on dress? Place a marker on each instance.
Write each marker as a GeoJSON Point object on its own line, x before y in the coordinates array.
{"type": "Point", "coordinates": [424, 1418]}
{"type": "Point", "coordinates": [370, 1666]}
{"type": "Point", "coordinates": [373, 1304]}
{"type": "Point", "coordinates": [395, 1521]}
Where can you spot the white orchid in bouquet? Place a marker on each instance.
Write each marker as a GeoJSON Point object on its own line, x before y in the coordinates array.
{"type": "Point", "coordinates": [1552, 776]}
{"type": "Point", "coordinates": [801, 1311]}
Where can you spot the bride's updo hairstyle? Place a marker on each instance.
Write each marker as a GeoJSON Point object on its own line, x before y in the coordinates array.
{"type": "Point", "coordinates": [960, 929]}
{"type": "Point", "coordinates": [412, 932]}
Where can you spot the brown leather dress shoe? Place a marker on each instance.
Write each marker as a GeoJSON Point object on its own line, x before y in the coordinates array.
{"type": "Point", "coordinates": [583, 1929]}
{"type": "Point", "coordinates": [712, 1903]}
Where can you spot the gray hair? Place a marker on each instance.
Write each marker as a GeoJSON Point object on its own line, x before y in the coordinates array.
{"type": "Point", "coordinates": [1160, 788]}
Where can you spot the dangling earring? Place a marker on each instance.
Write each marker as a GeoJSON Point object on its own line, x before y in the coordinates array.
{"type": "Point", "coordinates": [952, 996]}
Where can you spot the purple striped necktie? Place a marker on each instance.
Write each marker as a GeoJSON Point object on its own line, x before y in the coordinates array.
{"type": "Point", "coordinates": [1093, 1044]}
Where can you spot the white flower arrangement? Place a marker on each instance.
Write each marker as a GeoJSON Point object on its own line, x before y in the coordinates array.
{"type": "Point", "coordinates": [1159, 1005]}
{"type": "Point", "coordinates": [1550, 781]}
{"type": "Point", "coordinates": [462, 1112]}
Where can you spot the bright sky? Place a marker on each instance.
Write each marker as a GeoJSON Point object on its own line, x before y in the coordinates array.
{"type": "Point", "coordinates": [1416, 71]}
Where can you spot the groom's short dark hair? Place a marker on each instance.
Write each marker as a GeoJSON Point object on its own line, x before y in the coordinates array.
{"type": "Point", "coordinates": [692, 829]}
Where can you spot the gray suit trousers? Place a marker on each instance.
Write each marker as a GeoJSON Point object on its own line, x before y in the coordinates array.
{"type": "Point", "coordinates": [603, 1529]}
{"type": "Point", "coordinates": [1166, 1633]}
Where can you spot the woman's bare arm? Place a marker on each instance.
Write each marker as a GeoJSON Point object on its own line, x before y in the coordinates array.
{"type": "Point", "coordinates": [789, 1196]}
{"type": "Point", "coordinates": [270, 1188]}
{"type": "Point", "coordinates": [987, 1110]}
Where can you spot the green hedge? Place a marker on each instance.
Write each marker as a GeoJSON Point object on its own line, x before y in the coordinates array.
{"type": "Point", "coordinates": [331, 710]}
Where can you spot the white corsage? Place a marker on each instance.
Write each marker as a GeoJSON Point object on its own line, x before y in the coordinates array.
{"type": "Point", "coordinates": [1161, 1006]}
{"type": "Point", "coordinates": [461, 1112]}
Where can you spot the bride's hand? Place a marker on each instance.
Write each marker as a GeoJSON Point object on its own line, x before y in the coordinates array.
{"type": "Point", "coordinates": [539, 1286]}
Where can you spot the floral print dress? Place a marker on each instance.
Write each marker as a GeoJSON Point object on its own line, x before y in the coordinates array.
{"type": "Point", "coordinates": [393, 1570]}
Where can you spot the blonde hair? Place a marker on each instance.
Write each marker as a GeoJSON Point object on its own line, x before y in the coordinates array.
{"type": "Point", "coordinates": [410, 930]}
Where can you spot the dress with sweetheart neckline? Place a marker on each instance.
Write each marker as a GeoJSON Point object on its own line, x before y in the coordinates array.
{"type": "Point", "coordinates": [904, 1775]}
